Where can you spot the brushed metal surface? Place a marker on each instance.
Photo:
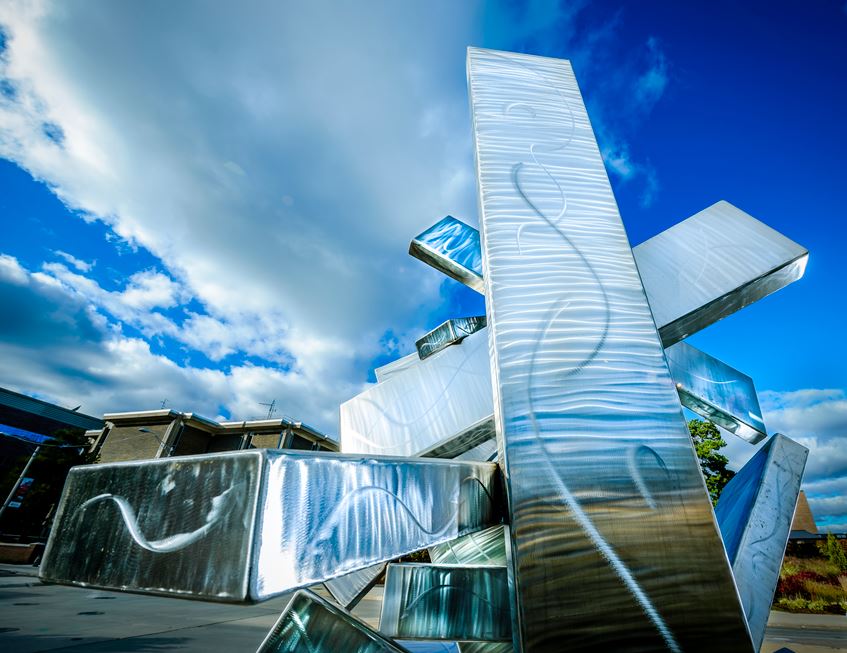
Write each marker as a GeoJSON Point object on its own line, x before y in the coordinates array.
{"type": "Point", "coordinates": [446, 602]}
{"type": "Point", "coordinates": [246, 526]}
{"type": "Point", "coordinates": [450, 332]}
{"type": "Point", "coordinates": [351, 588]}
{"type": "Point", "coordinates": [486, 547]}
{"type": "Point", "coordinates": [452, 247]}
{"type": "Point", "coordinates": [310, 624]}
{"type": "Point", "coordinates": [389, 369]}
{"type": "Point", "coordinates": [711, 265]}
{"type": "Point", "coordinates": [694, 273]}
{"type": "Point", "coordinates": [614, 545]}
{"type": "Point", "coordinates": [424, 406]}
{"type": "Point", "coordinates": [176, 526]}
{"type": "Point", "coordinates": [754, 512]}
{"type": "Point", "coordinates": [716, 391]}
{"type": "Point", "coordinates": [325, 515]}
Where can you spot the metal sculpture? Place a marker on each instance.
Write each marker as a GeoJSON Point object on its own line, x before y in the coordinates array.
{"type": "Point", "coordinates": [573, 382]}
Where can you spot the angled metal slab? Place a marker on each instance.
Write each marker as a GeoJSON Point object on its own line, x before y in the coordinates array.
{"type": "Point", "coordinates": [452, 247]}
{"type": "Point", "coordinates": [388, 370]}
{"type": "Point", "coordinates": [246, 526]}
{"type": "Point", "coordinates": [716, 391]}
{"type": "Point", "coordinates": [450, 332]}
{"type": "Point", "coordinates": [754, 512]}
{"type": "Point", "coordinates": [607, 503]}
{"type": "Point", "coordinates": [351, 588]}
{"type": "Point", "coordinates": [312, 625]}
{"type": "Point", "coordinates": [446, 602]}
{"type": "Point", "coordinates": [694, 273]}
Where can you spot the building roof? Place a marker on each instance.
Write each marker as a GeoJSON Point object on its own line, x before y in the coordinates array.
{"type": "Point", "coordinates": [42, 417]}
{"type": "Point", "coordinates": [804, 520]}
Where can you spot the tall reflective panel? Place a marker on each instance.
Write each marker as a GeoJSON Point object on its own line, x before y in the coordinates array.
{"type": "Point", "coordinates": [447, 602]}
{"type": "Point", "coordinates": [754, 512]}
{"type": "Point", "coordinates": [607, 504]}
{"type": "Point", "coordinates": [311, 625]}
{"type": "Point", "coordinates": [716, 391]}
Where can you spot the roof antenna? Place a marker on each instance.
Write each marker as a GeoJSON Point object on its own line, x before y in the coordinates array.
{"type": "Point", "coordinates": [271, 407]}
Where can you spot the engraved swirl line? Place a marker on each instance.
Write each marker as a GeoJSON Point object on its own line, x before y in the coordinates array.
{"type": "Point", "coordinates": [603, 547]}
{"type": "Point", "coordinates": [167, 544]}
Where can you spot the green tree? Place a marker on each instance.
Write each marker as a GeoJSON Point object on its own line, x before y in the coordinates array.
{"type": "Point", "coordinates": [833, 551]}
{"type": "Point", "coordinates": [708, 443]}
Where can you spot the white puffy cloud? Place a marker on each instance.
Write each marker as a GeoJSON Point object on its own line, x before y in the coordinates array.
{"type": "Point", "coordinates": [79, 264]}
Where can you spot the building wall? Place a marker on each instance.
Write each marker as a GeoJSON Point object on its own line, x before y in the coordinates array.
{"type": "Point", "coordinates": [265, 441]}
{"type": "Point", "coordinates": [191, 441]}
{"type": "Point", "coordinates": [225, 442]}
{"type": "Point", "coordinates": [128, 443]}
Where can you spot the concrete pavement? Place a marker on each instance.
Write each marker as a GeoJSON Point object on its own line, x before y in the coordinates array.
{"type": "Point", "coordinates": [36, 617]}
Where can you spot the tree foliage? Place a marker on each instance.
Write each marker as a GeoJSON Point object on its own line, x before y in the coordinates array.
{"type": "Point", "coordinates": [834, 552]}
{"type": "Point", "coordinates": [708, 443]}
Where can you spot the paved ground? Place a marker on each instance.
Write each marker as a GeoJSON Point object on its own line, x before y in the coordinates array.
{"type": "Point", "coordinates": [36, 617]}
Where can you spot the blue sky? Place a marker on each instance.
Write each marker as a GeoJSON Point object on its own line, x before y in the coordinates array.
{"type": "Point", "coordinates": [211, 204]}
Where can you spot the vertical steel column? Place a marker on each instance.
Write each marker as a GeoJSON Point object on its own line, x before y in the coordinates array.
{"type": "Point", "coordinates": [613, 538]}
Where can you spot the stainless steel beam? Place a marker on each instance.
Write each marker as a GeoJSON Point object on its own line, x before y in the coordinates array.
{"type": "Point", "coordinates": [313, 625]}
{"type": "Point", "coordinates": [442, 406]}
{"type": "Point", "coordinates": [716, 391]}
{"type": "Point", "coordinates": [486, 547]}
{"type": "Point", "coordinates": [754, 512]}
{"type": "Point", "coordinates": [450, 332]}
{"type": "Point", "coordinates": [452, 247]}
{"type": "Point", "coordinates": [607, 503]}
{"type": "Point", "coordinates": [446, 602]}
{"type": "Point", "coordinates": [246, 526]}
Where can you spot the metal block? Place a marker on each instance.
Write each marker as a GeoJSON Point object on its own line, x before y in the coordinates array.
{"type": "Point", "coordinates": [716, 391]}
{"type": "Point", "coordinates": [694, 273]}
{"type": "Point", "coordinates": [452, 247]}
{"type": "Point", "coordinates": [451, 602]}
{"type": "Point", "coordinates": [451, 332]}
{"type": "Point", "coordinates": [607, 503]}
{"type": "Point", "coordinates": [351, 588]}
{"type": "Point", "coordinates": [309, 624]}
{"type": "Point", "coordinates": [247, 526]}
{"type": "Point", "coordinates": [425, 407]}
{"type": "Point", "coordinates": [486, 547]}
{"type": "Point", "coordinates": [712, 264]}
{"type": "Point", "coordinates": [754, 512]}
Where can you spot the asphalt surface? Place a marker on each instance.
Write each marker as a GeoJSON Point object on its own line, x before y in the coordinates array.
{"type": "Point", "coordinates": [39, 617]}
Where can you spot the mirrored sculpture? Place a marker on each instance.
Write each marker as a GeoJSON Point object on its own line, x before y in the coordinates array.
{"type": "Point", "coordinates": [545, 461]}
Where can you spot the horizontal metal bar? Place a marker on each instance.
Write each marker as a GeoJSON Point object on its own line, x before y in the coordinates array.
{"type": "Point", "coordinates": [486, 547]}
{"type": "Point", "coordinates": [754, 513]}
{"type": "Point", "coordinates": [247, 526]}
{"type": "Point", "coordinates": [452, 247]}
{"type": "Point", "coordinates": [351, 588]}
{"type": "Point", "coordinates": [446, 602]}
{"type": "Point", "coordinates": [450, 332]}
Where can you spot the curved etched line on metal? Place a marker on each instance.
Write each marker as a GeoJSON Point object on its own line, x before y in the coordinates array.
{"type": "Point", "coordinates": [341, 510]}
{"type": "Point", "coordinates": [635, 472]}
{"type": "Point", "coordinates": [449, 586]}
{"type": "Point", "coordinates": [584, 521]}
{"type": "Point", "coordinates": [167, 544]}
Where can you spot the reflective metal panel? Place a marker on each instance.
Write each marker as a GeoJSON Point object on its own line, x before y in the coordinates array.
{"type": "Point", "coordinates": [449, 602]}
{"type": "Point", "coordinates": [695, 273]}
{"type": "Point", "coordinates": [448, 333]}
{"type": "Point", "coordinates": [755, 511]}
{"type": "Point", "coordinates": [608, 508]}
{"type": "Point", "coordinates": [249, 525]}
{"type": "Point", "coordinates": [486, 547]}
{"type": "Point", "coordinates": [716, 391]}
{"type": "Point", "coordinates": [394, 367]}
{"type": "Point", "coordinates": [325, 515]}
{"type": "Point", "coordinates": [712, 264]}
{"type": "Point", "coordinates": [423, 407]}
{"type": "Point", "coordinates": [309, 624]}
{"type": "Point", "coordinates": [452, 247]}
{"type": "Point", "coordinates": [179, 526]}
{"type": "Point", "coordinates": [351, 588]}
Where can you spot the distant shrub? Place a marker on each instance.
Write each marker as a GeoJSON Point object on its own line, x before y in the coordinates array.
{"type": "Point", "coordinates": [824, 591]}
{"type": "Point", "coordinates": [833, 551]}
{"type": "Point", "coordinates": [795, 584]}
